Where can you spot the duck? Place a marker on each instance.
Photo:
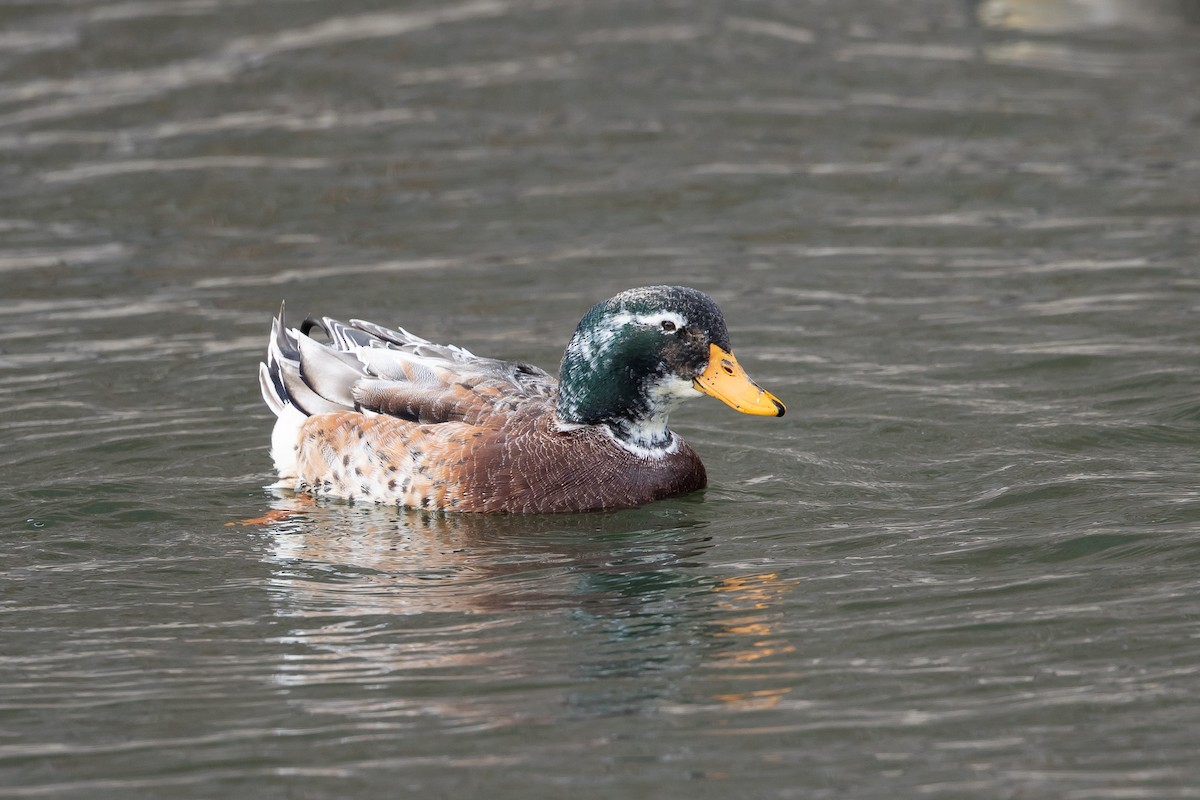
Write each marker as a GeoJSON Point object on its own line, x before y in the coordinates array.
{"type": "Point", "coordinates": [375, 414]}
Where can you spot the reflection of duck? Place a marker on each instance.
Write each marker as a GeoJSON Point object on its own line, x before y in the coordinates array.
{"type": "Point", "coordinates": [383, 598]}
{"type": "Point", "coordinates": [383, 415]}
{"type": "Point", "coordinates": [444, 615]}
{"type": "Point", "coordinates": [339, 562]}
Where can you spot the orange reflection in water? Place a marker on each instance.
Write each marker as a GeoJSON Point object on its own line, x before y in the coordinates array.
{"type": "Point", "coordinates": [754, 603]}
{"type": "Point", "coordinates": [752, 593]}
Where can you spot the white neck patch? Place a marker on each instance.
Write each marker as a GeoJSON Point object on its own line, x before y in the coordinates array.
{"type": "Point", "coordinates": [641, 443]}
{"type": "Point", "coordinates": [646, 436]}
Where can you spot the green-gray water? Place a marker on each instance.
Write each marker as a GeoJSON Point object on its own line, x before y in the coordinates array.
{"type": "Point", "coordinates": [960, 241]}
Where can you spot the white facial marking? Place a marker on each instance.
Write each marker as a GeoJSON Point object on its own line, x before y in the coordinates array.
{"type": "Point", "coordinates": [671, 390]}
{"type": "Point", "coordinates": [592, 343]}
{"type": "Point", "coordinates": [654, 320]}
{"type": "Point", "coordinates": [678, 321]}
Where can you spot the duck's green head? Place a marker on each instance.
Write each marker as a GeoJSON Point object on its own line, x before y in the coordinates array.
{"type": "Point", "coordinates": [634, 357]}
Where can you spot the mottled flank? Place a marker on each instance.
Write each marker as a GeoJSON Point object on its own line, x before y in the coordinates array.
{"type": "Point", "coordinates": [514, 463]}
{"type": "Point", "coordinates": [383, 416]}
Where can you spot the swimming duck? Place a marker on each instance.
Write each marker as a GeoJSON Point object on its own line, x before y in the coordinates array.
{"type": "Point", "coordinates": [382, 415]}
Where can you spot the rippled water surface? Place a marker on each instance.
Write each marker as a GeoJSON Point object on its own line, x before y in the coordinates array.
{"type": "Point", "coordinates": [959, 239]}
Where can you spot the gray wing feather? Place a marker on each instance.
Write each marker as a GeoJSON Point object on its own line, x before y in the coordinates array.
{"type": "Point", "coordinates": [372, 368]}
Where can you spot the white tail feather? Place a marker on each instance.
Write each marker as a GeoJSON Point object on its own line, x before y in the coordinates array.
{"type": "Point", "coordinates": [285, 441]}
{"type": "Point", "coordinates": [285, 437]}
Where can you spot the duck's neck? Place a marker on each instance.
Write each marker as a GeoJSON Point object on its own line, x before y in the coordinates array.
{"type": "Point", "coordinates": [643, 436]}
{"type": "Point", "coordinates": [633, 413]}
{"type": "Point", "coordinates": [624, 409]}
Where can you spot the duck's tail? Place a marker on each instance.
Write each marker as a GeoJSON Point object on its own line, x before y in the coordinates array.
{"type": "Point", "coordinates": [287, 392]}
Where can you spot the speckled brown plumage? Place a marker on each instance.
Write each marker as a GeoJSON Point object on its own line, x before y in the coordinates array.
{"type": "Point", "coordinates": [516, 463]}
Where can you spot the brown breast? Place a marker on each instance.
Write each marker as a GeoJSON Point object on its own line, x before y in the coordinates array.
{"type": "Point", "coordinates": [528, 466]}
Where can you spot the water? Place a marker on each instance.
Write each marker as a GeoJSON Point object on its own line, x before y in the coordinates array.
{"type": "Point", "coordinates": [958, 239]}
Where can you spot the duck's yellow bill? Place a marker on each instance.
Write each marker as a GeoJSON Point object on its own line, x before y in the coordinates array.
{"type": "Point", "coordinates": [725, 380]}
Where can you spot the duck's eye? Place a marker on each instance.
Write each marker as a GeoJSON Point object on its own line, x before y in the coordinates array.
{"type": "Point", "coordinates": [667, 325]}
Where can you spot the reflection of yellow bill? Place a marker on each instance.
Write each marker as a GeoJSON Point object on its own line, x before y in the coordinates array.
{"type": "Point", "coordinates": [725, 380]}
